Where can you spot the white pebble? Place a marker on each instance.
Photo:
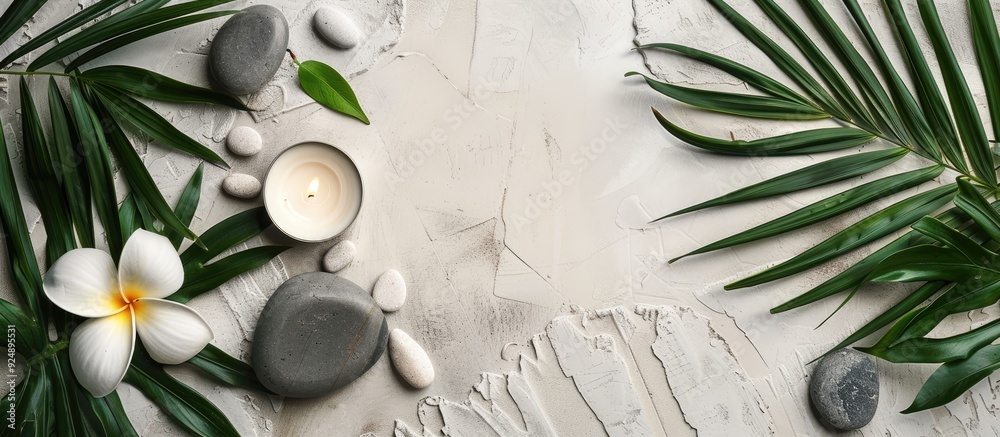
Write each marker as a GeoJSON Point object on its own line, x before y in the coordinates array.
{"type": "Point", "coordinates": [242, 186]}
{"type": "Point", "coordinates": [390, 291]}
{"type": "Point", "coordinates": [336, 27]}
{"type": "Point", "coordinates": [410, 360]}
{"type": "Point", "coordinates": [244, 141]}
{"type": "Point", "coordinates": [339, 256]}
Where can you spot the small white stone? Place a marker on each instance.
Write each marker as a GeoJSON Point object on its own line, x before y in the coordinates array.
{"type": "Point", "coordinates": [390, 291]}
{"type": "Point", "coordinates": [410, 360]}
{"type": "Point", "coordinates": [244, 141]}
{"type": "Point", "coordinates": [339, 256]}
{"type": "Point", "coordinates": [242, 186]}
{"type": "Point", "coordinates": [336, 27]}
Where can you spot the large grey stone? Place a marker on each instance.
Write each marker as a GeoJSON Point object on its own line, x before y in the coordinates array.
{"type": "Point", "coordinates": [844, 389]}
{"type": "Point", "coordinates": [317, 333]}
{"type": "Point", "coordinates": [248, 49]}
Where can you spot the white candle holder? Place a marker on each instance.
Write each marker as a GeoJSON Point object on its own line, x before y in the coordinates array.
{"type": "Point", "coordinates": [313, 192]}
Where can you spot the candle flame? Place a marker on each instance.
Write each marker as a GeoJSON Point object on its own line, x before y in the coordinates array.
{"type": "Point", "coordinates": [313, 188]}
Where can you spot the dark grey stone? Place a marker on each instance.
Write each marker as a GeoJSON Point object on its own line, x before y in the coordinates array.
{"type": "Point", "coordinates": [317, 333]}
{"type": "Point", "coordinates": [844, 389]}
{"type": "Point", "coordinates": [248, 49]}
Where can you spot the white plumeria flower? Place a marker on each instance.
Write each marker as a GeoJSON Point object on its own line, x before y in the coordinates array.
{"type": "Point", "coordinates": [121, 302]}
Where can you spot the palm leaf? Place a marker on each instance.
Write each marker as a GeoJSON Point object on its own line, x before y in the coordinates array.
{"type": "Point", "coordinates": [952, 379]}
{"type": "Point", "coordinates": [970, 126]}
{"type": "Point", "coordinates": [187, 205]}
{"type": "Point", "coordinates": [797, 143]}
{"type": "Point", "coordinates": [737, 104]}
{"type": "Point", "coordinates": [69, 167]}
{"type": "Point", "coordinates": [129, 20]}
{"type": "Point", "coordinates": [224, 368]}
{"type": "Point", "coordinates": [826, 208]}
{"type": "Point", "coordinates": [64, 27]}
{"type": "Point", "coordinates": [18, 13]}
{"type": "Point", "coordinates": [138, 35]}
{"type": "Point", "coordinates": [815, 175]}
{"type": "Point", "coordinates": [752, 77]}
{"type": "Point", "coordinates": [155, 86]}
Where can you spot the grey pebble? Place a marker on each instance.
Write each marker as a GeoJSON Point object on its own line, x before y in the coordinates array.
{"type": "Point", "coordinates": [248, 49]}
{"type": "Point", "coordinates": [844, 389]}
{"type": "Point", "coordinates": [318, 332]}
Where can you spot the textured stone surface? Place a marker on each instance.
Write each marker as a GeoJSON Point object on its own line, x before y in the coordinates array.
{"type": "Point", "coordinates": [339, 256]}
{"type": "Point", "coordinates": [248, 49]}
{"type": "Point", "coordinates": [244, 141]}
{"type": "Point", "coordinates": [317, 333]}
{"type": "Point", "coordinates": [242, 186]}
{"type": "Point", "coordinates": [390, 291]}
{"type": "Point", "coordinates": [410, 360]}
{"type": "Point", "coordinates": [336, 27]}
{"type": "Point", "coordinates": [844, 389]}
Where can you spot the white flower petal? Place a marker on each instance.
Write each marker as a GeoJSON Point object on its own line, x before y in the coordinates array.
{"type": "Point", "coordinates": [149, 267]}
{"type": "Point", "coordinates": [84, 282]}
{"type": "Point", "coordinates": [100, 351]}
{"type": "Point", "coordinates": [171, 332]}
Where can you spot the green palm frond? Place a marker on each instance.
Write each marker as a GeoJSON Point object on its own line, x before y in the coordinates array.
{"type": "Point", "coordinates": [953, 254]}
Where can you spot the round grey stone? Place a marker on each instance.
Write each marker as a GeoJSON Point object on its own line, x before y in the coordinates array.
{"type": "Point", "coordinates": [844, 389]}
{"type": "Point", "coordinates": [317, 333]}
{"type": "Point", "coordinates": [248, 49]}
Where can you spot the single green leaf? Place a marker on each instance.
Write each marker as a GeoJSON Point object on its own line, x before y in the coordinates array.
{"type": "Point", "coordinates": [188, 204]}
{"type": "Point", "coordinates": [952, 379]}
{"type": "Point", "coordinates": [941, 350]}
{"type": "Point", "coordinates": [74, 21]}
{"type": "Point", "coordinates": [330, 89]}
{"type": "Point", "coordinates": [826, 208]}
{"type": "Point", "coordinates": [815, 175]}
{"type": "Point", "coordinates": [186, 407]}
{"type": "Point", "coordinates": [971, 201]}
{"type": "Point", "coordinates": [155, 86]}
{"type": "Point", "coordinates": [97, 161]}
{"type": "Point", "coordinates": [782, 59]}
{"type": "Point", "coordinates": [835, 82]}
{"type": "Point", "coordinates": [200, 279]}
{"type": "Point", "coordinates": [911, 115]}
{"type": "Point", "coordinates": [139, 179]}
{"type": "Point", "coordinates": [226, 235]}
{"type": "Point", "coordinates": [224, 368]}
{"type": "Point", "coordinates": [798, 143]}
{"type": "Point", "coordinates": [117, 25]}
{"type": "Point", "coordinates": [875, 226]}
{"type": "Point", "coordinates": [987, 44]}
{"type": "Point", "coordinates": [746, 105]}
{"type": "Point", "coordinates": [929, 95]}
{"type": "Point", "coordinates": [42, 183]}
{"type": "Point", "coordinates": [108, 415]}
{"type": "Point", "coordinates": [129, 217]}
{"type": "Point", "coordinates": [970, 126]}
{"type": "Point", "coordinates": [18, 13]}
{"type": "Point", "coordinates": [141, 34]}
{"type": "Point", "coordinates": [68, 167]}
{"type": "Point", "coordinates": [142, 117]}
{"type": "Point", "coordinates": [752, 77]}
{"type": "Point", "coordinates": [902, 309]}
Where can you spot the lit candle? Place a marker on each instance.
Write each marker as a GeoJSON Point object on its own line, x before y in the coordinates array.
{"type": "Point", "coordinates": [313, 192]}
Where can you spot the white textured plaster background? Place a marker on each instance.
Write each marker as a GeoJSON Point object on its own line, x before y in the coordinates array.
{"type": "Point", "coordinates": [511, 172]}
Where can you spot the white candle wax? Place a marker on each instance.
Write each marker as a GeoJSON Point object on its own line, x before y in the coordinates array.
{"type": "Point", "coordinates": [313, 192]}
